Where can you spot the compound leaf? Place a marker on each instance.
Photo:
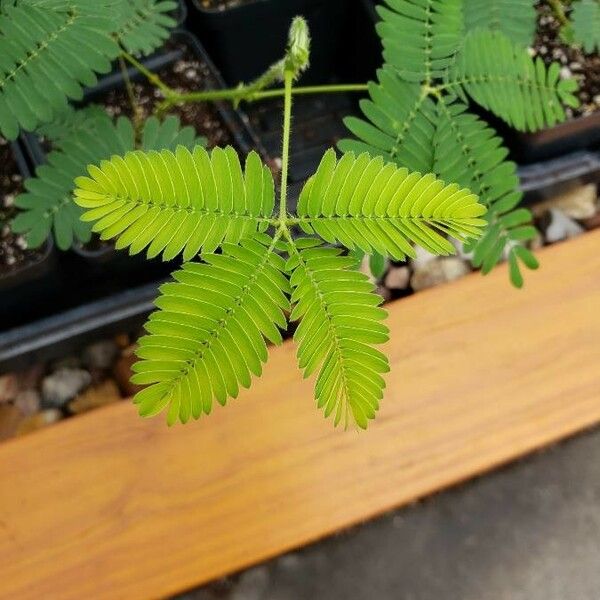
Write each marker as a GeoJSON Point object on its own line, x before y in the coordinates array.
{"type": "Point", "coordinates": [177, 202]}
{"type": "Point", "coordinates": [363, 202]}
{"type": "Point", "coordinates": [514, 18]}
{"type": "Point", "coordinates": [420, 37]}
{"type": "Point", "coordinates": [207, 339]}
{"type": "Point", "coordinates": [340, 325]}
{"type": "Point", "coordinates": [48, 202]}
{"type": "Point", "coordinates": [399, 125]}
{"type": "Point", "coordinates": [46, 56]}
{"type": "Point", "coordinates": [500, 76]}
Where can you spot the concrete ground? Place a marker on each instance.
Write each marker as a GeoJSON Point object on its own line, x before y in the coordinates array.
{"type": "Point", "coordinates": [530, 531]}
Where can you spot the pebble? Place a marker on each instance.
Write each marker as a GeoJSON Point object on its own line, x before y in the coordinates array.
{"type": "Point", "coordinates": [30, 378]}
{"type": "Point", "coordinates": [122, 372]}
{"type": "Point", "coordinates": [561, 227]}
{"type": "Point", "coordinates": [565, 73]}
{"type": "Point", "coordinates": [10, 417]}
{"type": "Point", "coordinates": [578, 202]}
{"type": "Point", "coordinates": [64, 384]}
{"type": "Point", "coordinates": [100, 355]}
{"type": "Point", "coordinates": [100, 395]}
{"type": "Point", "coordinates": [28, 402]}
{"type": "Point", "coordinates": [460, 250]}
{"type": "Point", "coordinates": [9, 387]}
{"type": "Point", "coordinates": [592, 222]}
{"type": "Point", "coordinates": [397, 278]}
{"type": "Point", "coordinates": [422, 257]}
{"type": "Point", "coordinates": [39, 421]}
{"type": "Point", "coordinates": [438, 271]}
{"type": "Point", "coordinates": [384, 292]}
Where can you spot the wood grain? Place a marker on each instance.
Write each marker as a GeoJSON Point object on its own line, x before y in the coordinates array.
{"type": "Point", "coordinates": [112, 506]}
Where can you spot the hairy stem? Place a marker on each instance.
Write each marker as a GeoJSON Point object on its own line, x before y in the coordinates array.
{"type": "Point", "coordinates": [285, 152]}
{"type": "Point", "coordinates": [137, 116]}
{"type": "Point", "coordinates": [249, 94]}
{"type": "Point", "coordinates": [559, 11]}
{"type": "Point", "coordinates": [149, 75]}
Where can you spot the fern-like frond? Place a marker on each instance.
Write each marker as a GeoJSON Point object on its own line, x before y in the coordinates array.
{"type": "Point", "coordinates": [46, 56]}
{"type": "Point", "coordinates": [208, 337]}
{"type": "Point", "coordinates": [68, 124]}
{"type": "Point", "coordinates": [469, 152]}
{"type": "Point", "coordinates": [585, 19]}
{"type": "Point", "coordinates": [420, 36]}
{"type": "Point", "coordinates": [143, 25]}
{"type": "Point", "coordinates": [399, 125]}
{"type": "Point", "coordinates": [514, 18]}
{"type": "Point", "coordinates": [177, 202]}
{"type": "Point", "coordinates": [48, 205]}
{"type": "Point", "coordinates": [363, 202]}
{"type": "Point", "coordinates": [500, 76]}
{"type": "Point", "coordinates": [340, 325]}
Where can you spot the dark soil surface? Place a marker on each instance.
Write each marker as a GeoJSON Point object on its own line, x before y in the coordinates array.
{"type": "Point", "coordinates": [185, 75]}
{"type": "Point", "coordinates": [13, 247]}
{"type": "Point", "coordinates": [223, 4]}
{"type": "Point", "coordinates": [585, 68]}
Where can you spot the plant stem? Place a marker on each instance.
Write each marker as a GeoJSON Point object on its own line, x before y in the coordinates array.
{"type": "Point", "coordinates": [149, 75]}
{"type": "Point", "coordinates": [285, 153]}
{"type": "Point", "coordinates": [559, 11]}
{"type": "Point", "coordinates": [131, 94]}
{"type": "Point", "coordinates": [249, 94]}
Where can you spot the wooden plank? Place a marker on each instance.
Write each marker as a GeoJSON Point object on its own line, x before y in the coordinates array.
{"type": "Point", "coordinates": [111, 506]}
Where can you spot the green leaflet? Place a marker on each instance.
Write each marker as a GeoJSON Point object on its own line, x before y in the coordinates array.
{"type": "Point", "coordinates": [469, 152]}
{"type": "Point", "coordinates": [340, 325]}
{"type": "Point", "coordinates": [420, 36]}
{"type": "Point", "coordinates": [585, 20]}
{"type": "Point", "coordinates": [514, 18]}
{"type": "Point", "coordinates": [399, 123]}
{"type": "Point", "coordinates": [207, 339]}
{"type": "Point", "coordinates": [47, 206]}
{"type": "Point", "coordinates": [500, 76]}
{"type": "Point", "coordinates": [363, 202]}
{"type": "Point", "coordinates": [143, 25]}
{"type": "Point", "coordinates": [177, 202]}
{"type": "Point", "coordinates": [71, 47]}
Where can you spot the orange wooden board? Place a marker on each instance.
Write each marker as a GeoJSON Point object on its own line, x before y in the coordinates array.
{"type": "Point", "coordinates": [111, 506]}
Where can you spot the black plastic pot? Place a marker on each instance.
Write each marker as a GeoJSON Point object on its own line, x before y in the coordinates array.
{"type": "Point", "coordinates": [24, 290]}
{"type": "Point", "coordinates": [245, 39]}
{"type": "Point", "coordinates": [580, 133]}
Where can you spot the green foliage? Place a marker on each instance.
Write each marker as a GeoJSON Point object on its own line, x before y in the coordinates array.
{"type": "Point", "coordinates": [363, 202]}
{"type": "Point", "coordinates": [46, 56]}
{"type": "Point", "coordinates": [501, 77]}
{"type": "Point", "coordinates": [416, 114]}
{"type": "Point", "coordinates": [47, 205]}
{"type": "Point", "coordinates": [400, 126]}
{"type": "Point", "coordinates": [420, 36]}
{"type": "Point", "coordinates": [50, 49]}
{"type": "Point", "coordinates": [340, 323]}
{"type": "Point", "coordinates": [514, 18]}
{"type": "Point", "coordinates": [585, 20]}
{"type": "Point", "coordinates": [469, 150]}
{"type": "Point", "coordinates": [180, 202]}
{"type": "Point", "coordinates": [208, 337]}
{"type": "Point", "coordinates": [143, 25]}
